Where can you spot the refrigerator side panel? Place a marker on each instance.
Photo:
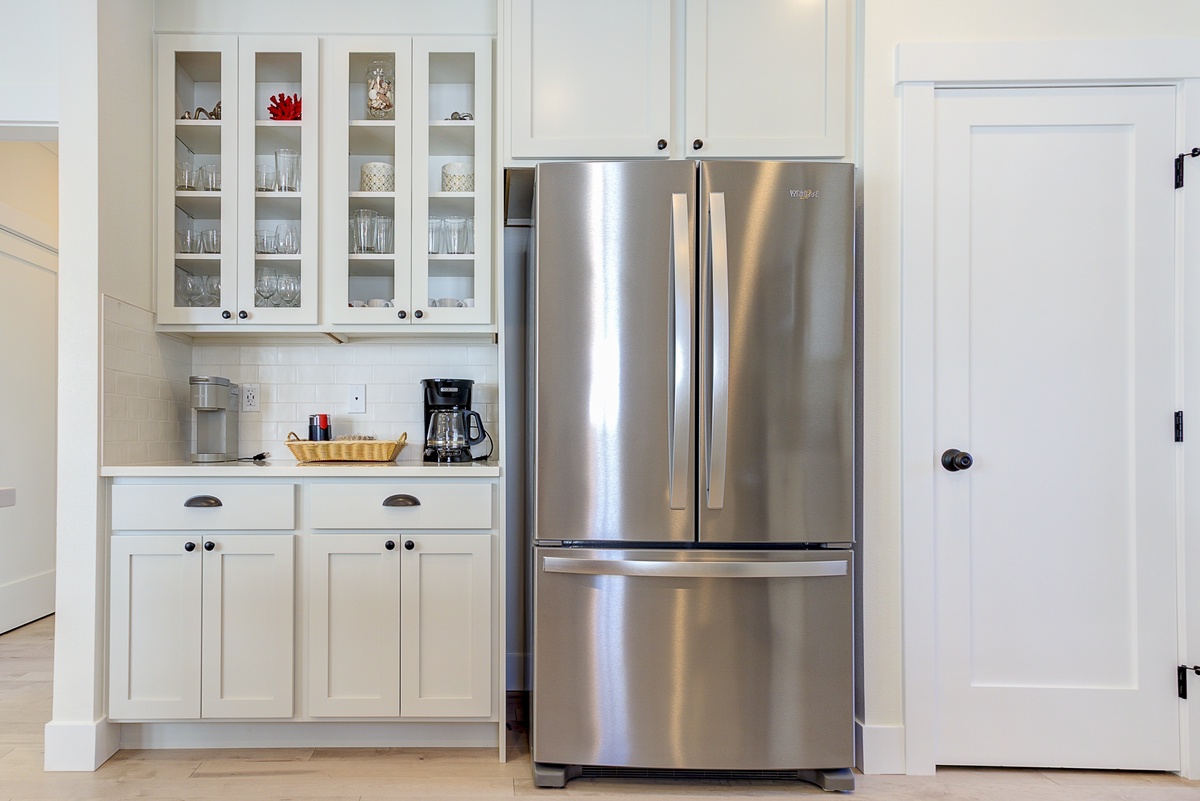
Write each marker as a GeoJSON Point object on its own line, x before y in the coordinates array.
{"type": "Point", "coordinates": [610, 340]}
{"type": "Point", "coordinates": [777, 394]}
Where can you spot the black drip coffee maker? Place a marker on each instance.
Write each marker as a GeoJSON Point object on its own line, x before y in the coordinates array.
{"type": "Point", "coordinates": [451, 428]}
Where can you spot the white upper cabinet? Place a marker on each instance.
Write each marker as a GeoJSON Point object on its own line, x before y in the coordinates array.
{"type": "Point", "coordinates": [753, 78]}
{"type": "Point", "coordinates": [586, 80]}
{"type": "Point", "coordinates": [236, 235]}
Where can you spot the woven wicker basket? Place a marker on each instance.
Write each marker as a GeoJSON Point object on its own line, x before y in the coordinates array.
{"type": "Point", "coordinates": [349, 450]}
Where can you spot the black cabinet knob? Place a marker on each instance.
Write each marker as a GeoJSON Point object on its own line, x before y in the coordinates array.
{"type": "Point", "coordinates": [418, 314]}
{"type": "Point", "coordinates": [189, 546]}
{"type": "Point", "coordinates": [226, 314]}
{"type": "Point", "coordinates": [242, 315]}
{"type": "Point", "coordinates": [390, 545]}
{"type": "Point", "coordinates": [208, 546]}
{"type": "Point", "coordinates": [402, 314]}
{"type": "Point", "coordinates": [662, 144]}
{"type": "Point", "coordinates": [955, 460]}
{"type": "Point", "coordinates": [409, 545]}
{"type": "Point", "coordinates": [696, 145]}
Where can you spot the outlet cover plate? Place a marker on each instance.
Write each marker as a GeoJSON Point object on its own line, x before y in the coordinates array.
{"type": "Point", "coordinates": [250, 397]}
{"type": "Point", "coordinates": [356, 400]}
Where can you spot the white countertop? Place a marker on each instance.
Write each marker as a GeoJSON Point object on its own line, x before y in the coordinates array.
{"type": "Point", "coordinates": [289, 468]}
{"type": "Point", "coordinates": [8, 496]}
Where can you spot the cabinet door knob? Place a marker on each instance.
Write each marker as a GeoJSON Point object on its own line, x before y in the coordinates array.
{"type": "Point", "coordinates": [242, 315]}
{"type": "Point", "coordinates": [189, 546]}
{"type": "Point", "coordinates": [390, 545]}
{"type": "Point", "coordinates": [699, 143]}
{"type": "Point", "coordinates": [409, 545]}
{"type": "Point", "coordinates": [226, 314]}
{"type": "Point", "coordinates": [208, 546]}
{"type": "Point", "coordinates": [418, 314]}
{"type": "Point", "coordinates": [662, 144]}
{"type": "Point", "coordinates": [402, 314]}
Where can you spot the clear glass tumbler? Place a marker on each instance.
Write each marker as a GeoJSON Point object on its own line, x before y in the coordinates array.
{"type": "Point", "coordinates": [383, 234]}
{"type": "Point", "coordinates": [436, 229]}
{"type": "Point", "coordinates": [362, 223]}
{"type": "Point", "coordinates": [287, 170]}
{"type": "Point", "coordinates": [456, 235]}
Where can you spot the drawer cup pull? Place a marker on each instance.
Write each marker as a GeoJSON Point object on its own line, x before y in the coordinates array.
{"type": "Point", "coordinates": [202, 502]}
{"type": "Point", "coordinates": [401, 500]}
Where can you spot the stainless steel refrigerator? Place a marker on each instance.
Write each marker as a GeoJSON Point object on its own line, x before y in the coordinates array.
{"type": "Point", "coordinates": [692, 422]}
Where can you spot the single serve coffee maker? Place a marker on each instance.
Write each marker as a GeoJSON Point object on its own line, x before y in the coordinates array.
{"type": "Point", "coordinates": [451, 428]}
{"type": "Point", "coordinates": [215, 403]}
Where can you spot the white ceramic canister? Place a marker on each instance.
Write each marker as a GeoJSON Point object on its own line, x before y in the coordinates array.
{"type": "Point", "coordinates": [458, 176]}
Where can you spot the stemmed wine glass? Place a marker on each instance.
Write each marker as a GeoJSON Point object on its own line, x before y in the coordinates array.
{"type": "Point", "coordinates": [212, 291]}
{"type": "Point", "coordinates": [289, 290]}
{"type": "Point", "coordinates": [266, 284]}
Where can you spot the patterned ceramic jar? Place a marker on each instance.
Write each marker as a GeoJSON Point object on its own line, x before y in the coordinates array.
{"type": "Point", "coordinates": [378, 176]}
{"type": "Point", "coordinates": [458, 176]}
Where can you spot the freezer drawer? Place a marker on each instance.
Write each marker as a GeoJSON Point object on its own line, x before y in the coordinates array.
{"type": "Point", "coordinates": [689, 659]}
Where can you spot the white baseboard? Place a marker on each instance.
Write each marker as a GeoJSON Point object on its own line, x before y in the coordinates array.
{"type": "Point", "coordinates": [308, 734]}
{"type": "Point", "coordinates": [879, 749]}
{"type": "Point", "coordinates": [80, 746]}
{"type": "Point", "coordinates": [26, 599]}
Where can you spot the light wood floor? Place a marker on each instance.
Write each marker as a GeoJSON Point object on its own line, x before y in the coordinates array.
{"type": "Point", "coordinates": [377, 774]}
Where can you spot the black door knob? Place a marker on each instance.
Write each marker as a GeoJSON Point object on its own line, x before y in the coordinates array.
{"type": "Point", "coordinates": [418, 314]}
{"type": "Point", "coordinates": [409, 545]}
{"type": "Point", "coordinates": [189, 546]}
{"type": "Point", "coordinates": [402, 314]}
{"type": "Point", "coordinates": [226, 314]}
{"type": "Point", "coordinates": [662, 144]}
{"type": "Point", "coordinates": [699, 143]}
{"type": "Point", "coordinates": [955, 460]}
{"type": "Point", "coordinates": [208, 546]}
{"type": "Point", "coordinates": [243, 314]}
{"type": "Point", "coordinates": [390, 545]}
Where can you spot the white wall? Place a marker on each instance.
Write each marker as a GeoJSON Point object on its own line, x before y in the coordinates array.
{"type": "Point", "coordinates": [887, 23]}
{"type": "Point", "coordinates": [28, 314]}
{"type": "Point", "coordinates": [28, 69]}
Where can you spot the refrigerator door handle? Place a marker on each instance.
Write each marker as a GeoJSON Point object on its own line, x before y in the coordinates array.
{"type": "Point", "coordinates": [718, 424]}
{"type": "Point", "coordinates": [681, 350]}
{"type": "Point", "coordinates": [634, 567]}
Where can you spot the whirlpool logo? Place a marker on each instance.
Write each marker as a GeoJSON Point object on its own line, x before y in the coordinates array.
{"type": "Point", "coordinates": [804, 194]}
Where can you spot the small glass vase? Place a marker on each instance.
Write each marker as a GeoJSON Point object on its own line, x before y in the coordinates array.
{"type": "Point", "coordinates": [381, 90]}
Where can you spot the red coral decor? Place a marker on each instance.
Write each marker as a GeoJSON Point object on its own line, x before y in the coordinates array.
{"type": "Point", "coordinates": [284, 108]}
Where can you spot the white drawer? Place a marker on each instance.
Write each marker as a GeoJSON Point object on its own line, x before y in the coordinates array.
{"type": "Point", "coordinates": [400, 505]}
{"type": "Point", "coordinates": [166, 507]}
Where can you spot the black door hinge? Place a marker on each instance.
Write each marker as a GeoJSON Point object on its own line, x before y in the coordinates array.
{"type": "Point", "coordinates": [1183, 671]}
{"type": "Point", "coordinates": [1179, 165]}
{"type": "Point", "coordinates": [1179, 426]}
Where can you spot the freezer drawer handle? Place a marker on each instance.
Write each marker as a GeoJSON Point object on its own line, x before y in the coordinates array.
{"type": "Point", "coordinates": [202, 502]}
{"type": "Point", "coordinates": [634, 567]}
{"type": "Point", "coordinates": [401, 500]}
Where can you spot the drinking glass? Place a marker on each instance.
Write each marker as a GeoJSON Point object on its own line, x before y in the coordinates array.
{"type": "Point", "coordinates": [456, 235]}
{"type": "Point", "coordinates": [436, 227]}
{"type": "Point", "coordinates": [470, 235]}
{"type": "Point", "coordinates": [287, 239]}
{"type": "Point", "coordinates": [266, 284]}
{"type": "Point", "coordinates": [287, 168]}
{"type": "Point", "coordinates": [264, 178]}
{"type": "Point", "coordinates": [383, 234]}
{"type": "Point", "coordinates": [186, 175]}
{"type": "Point", "coordinates": [212, 290]}
{"type": "Point", "coordinates": [210, 178]}
{"type": "Point", "coordinates": [210, 241]}
{"type": "Point", "coordinates": [363, 224]}
{"type": "Point", "coordinates": [187, 241]}
{"type": "Point", "coordinates": [289, 290]}
{"type": "Point", "coordinates": [264, 241]}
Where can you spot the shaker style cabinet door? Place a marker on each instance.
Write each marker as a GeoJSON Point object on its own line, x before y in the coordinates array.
{"type": "Point", "coordinates": [446, 625]}
{"type": "Point", "coordinates": [766, 79]}
{"type": "Point", "coordinates": [589, 84]}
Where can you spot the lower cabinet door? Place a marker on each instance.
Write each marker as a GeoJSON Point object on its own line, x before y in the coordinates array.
{"type": "Point", "coordinates": [353, 587]}
{"type": "Point", "coordinates": [248, 614]}
{"type": "Point", "coordinates": [446, 625]}
{"type": "Point", "coordinates": [154, 627]}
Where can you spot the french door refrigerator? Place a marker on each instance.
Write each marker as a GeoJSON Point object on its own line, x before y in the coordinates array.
{"type": "Point", "coordinates": [692, 409]}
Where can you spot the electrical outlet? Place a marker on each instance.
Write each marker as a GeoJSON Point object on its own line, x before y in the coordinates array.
{"type": "Point", "coordinates": [249, 397]}
{"type": "Point", "coordinates": [356, 402]}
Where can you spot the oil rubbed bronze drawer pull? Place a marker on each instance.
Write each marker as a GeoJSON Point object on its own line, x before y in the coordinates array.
{"type": "Point", "coordinates": [401, 500]}
{"type": "Point", "coordinates": [202, 502]}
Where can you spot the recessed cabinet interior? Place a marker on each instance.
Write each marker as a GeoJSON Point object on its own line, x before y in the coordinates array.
{"type": "Point", "coordinates": [757, 79]}
{"type": "Point", "coordinates": [237, 188]}
{"type": "Point", "coordinates": [409, 158]}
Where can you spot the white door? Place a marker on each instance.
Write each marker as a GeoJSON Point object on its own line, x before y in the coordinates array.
{"type": "Point", "coordinates": [446, 625]}
{"type": "Point", "coordinates": [1055, 357]}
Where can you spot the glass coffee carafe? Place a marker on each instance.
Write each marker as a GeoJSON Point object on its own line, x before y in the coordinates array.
{"type": "Point", "coordinates": [452, 433]}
